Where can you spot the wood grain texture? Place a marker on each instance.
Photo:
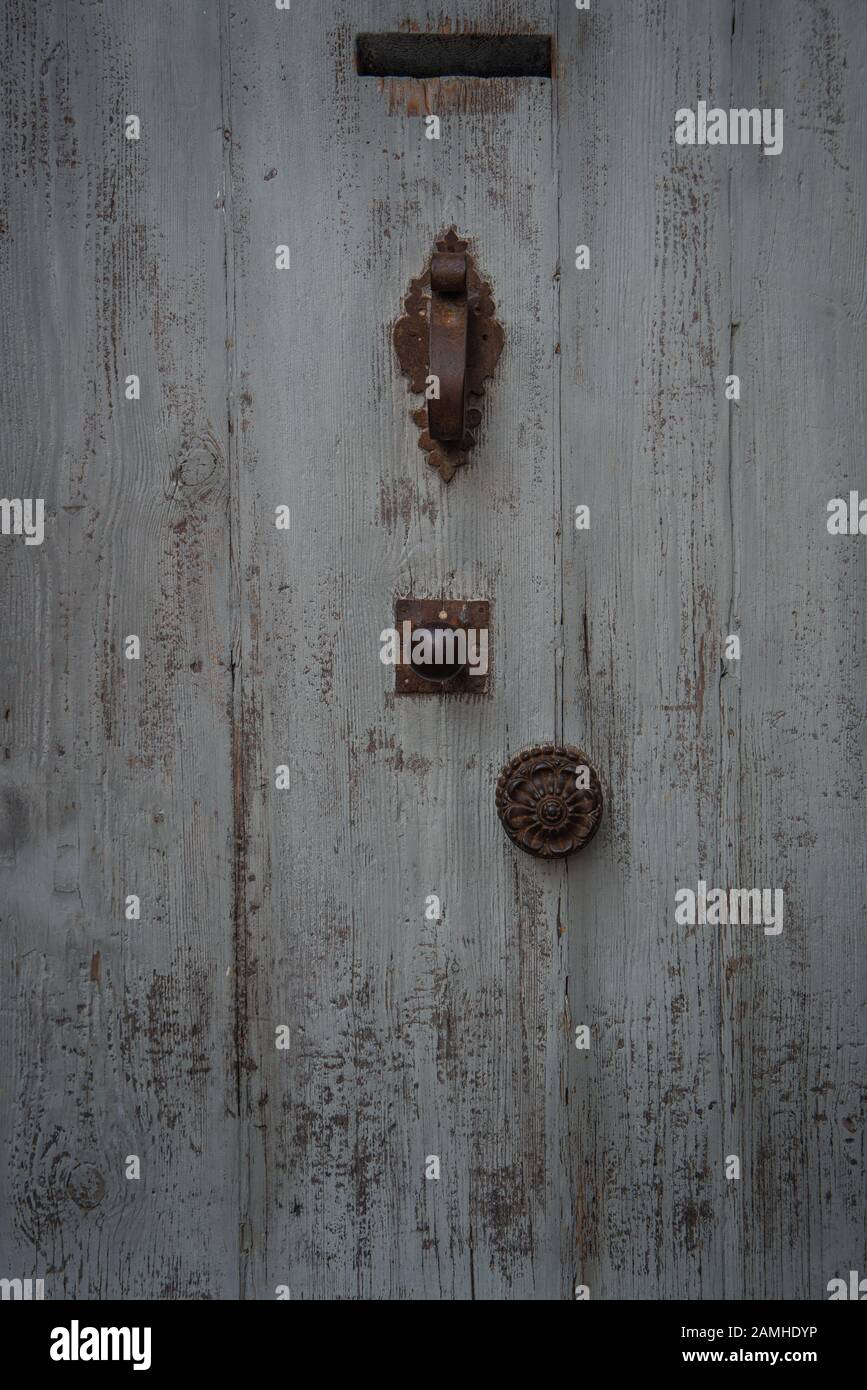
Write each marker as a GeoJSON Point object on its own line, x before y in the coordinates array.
{"type": "Point", "coordinates": [116, 776]}
{"type": "Point", "coordinates": [708, 520]}
{"type": "Point", "coordinates": [306, 907]}
{"type": "Point", "coordinates": [795, 720]}
{"type": "Point", "coordinates": [645, 336]}
{"type": "Point", "coordinates": [410, 1038]}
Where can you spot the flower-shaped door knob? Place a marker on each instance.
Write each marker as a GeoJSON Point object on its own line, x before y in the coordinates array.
{"type": "Point", "coordinates": [549, 799]}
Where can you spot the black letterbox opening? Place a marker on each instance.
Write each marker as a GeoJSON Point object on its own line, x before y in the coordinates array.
{"type": "Point", "coordinates": [453, 55]}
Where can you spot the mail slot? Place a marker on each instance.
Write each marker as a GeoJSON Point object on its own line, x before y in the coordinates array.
{"type": "Point", "coordinates": [453, 55]}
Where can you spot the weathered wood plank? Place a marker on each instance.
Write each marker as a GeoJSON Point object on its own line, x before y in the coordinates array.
{"type": "Point", "coordinates": [116, 775]}
{"type": "Point", "coordinates": [644, 344]}
{"type": "Point", "coordinates": [409, 1038]}
{"type": "Point", "coordinates": [709, 519]}
{"type": "Point", "coordinates": [795, 755]}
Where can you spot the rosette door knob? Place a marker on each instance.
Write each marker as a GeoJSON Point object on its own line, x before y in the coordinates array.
{"type": "Point", "coordinates": [549, 799]}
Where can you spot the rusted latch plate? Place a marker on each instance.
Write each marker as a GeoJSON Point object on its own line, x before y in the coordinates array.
{"type": "Point", "coordinates": [448, 344]}
{"type": "Point", "coordinates": [442, 647]}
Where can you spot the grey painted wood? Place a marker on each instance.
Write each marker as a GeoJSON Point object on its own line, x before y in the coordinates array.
{"type": "Point", "coordinates": [708, 519]}
{"type": "Point", "coordinates": [305, 907]}
{"type": "Point", "coordinates": [116, 774]}
{"type": "Point", "coordinates": [409, 1038]}
{"type": "Point", "coordinates": [795, 721]}
{"type": "Point", "coordinates": [645, 335]}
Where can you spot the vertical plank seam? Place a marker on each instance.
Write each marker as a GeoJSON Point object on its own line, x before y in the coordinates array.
{"type": "Point", "coordinates": [726, 805]}
{"type": "Point", "coordinates": [237, 710]}
{"type": "Point", "coordinates": [564, 1156]}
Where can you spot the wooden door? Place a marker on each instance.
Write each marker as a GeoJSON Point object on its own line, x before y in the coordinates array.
{"type": "Point", "coordinates": [284, 1038]}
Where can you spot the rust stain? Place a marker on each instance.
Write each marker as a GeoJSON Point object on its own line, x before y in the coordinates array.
{"type": "Point", "coordinates": [437, 96]}
{"type": "Point", "coordinates": [586, 1207]}
{"type": "Point", "coordinates": [700, 680]}
{"type": "Point", "coordinates": [396, 499]}
{"type": "Point", "coordinates": [735, 964]}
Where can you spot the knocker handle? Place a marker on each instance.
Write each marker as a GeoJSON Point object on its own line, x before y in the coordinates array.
{"type": "Point", "coordinates": [448, 345]}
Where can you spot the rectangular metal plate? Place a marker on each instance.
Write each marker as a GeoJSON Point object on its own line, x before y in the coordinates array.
{"type": "Point", "coordinates": [456, 613]}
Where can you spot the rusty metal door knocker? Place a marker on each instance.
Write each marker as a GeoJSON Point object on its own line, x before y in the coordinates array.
{"type": "Point", "coordinates": [448, 344]}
